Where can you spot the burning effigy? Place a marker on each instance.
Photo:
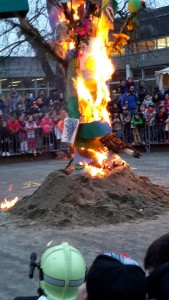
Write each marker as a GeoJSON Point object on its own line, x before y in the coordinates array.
{"type": "Point", "coordinates": [83, 36]}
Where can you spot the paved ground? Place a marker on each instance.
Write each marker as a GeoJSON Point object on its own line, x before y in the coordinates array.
{"type": "Point", "coordinates": [17, 243]}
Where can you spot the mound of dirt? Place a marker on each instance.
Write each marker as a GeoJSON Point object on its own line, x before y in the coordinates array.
{"type": "Point", "coordinates": [64, 200]}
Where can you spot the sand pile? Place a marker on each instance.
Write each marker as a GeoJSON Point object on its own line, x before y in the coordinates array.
{"type": "Point", "coordinates": [64, 200]}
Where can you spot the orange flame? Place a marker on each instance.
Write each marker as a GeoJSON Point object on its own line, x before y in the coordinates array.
{"type": "Point", "coordinates": [93, 99]}
{"type": "Point", "coordinates": [7, 204]}
{"type": "Point", "coordinates": [106, 164]}
{"type": "Point", "coordinates": [94, 171]}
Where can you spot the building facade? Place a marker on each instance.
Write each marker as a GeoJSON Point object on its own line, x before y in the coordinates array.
{"type": "Point", "coordinates": [148, 50]}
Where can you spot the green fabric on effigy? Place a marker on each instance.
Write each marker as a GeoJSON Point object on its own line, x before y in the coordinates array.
{"type": "Point", "coordinates": [73, 110]}
{"type": "Point", "coordinates": [93, 129]}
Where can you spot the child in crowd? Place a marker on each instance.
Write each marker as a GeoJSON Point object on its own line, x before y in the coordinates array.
{"type": "Point", "coordinates": [117, 124]}
{"type": "Point", "coordinates": [22, 134]}
{"type": "Point", "coordinates": [31, 127]}
{"type": "Point", "coordinates": [166, 102]}
{"type": "Point", "coordinates": [167, 129]}
{"type": "Point", "coordinates": [147, 101]}
{"type": "Point", "coordinates": [127, 128]}
{"type": "Point", "coordinates": [113, 107]}
{"type": "Point", "coordinates": [13, 128]}
{"type": "Point", "coordinates": [19, 109]}
{"type": "Point", "coordinates": [142, 111]}
{"type": "Point", "coordinates": [149, 116]}
{"type": "Point", "coordinates": [136, 123]}
{"type": "Point", "coordinates": [59, 127]}
{"type": "Point", "coordinates": [46, 124]}
{"type": "Point", "coordinates": [4, 137]}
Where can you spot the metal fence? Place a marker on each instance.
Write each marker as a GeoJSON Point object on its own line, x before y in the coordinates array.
{"type": "Point", "coordinates": [145, 136]}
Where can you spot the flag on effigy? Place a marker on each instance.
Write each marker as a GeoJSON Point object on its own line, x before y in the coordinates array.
{"type": "Point", "coordinates": [69, 130]}
{"type": "Point", "coordinates": [54, 12]}
{"type": "Point", "coordinates": [109, 9]}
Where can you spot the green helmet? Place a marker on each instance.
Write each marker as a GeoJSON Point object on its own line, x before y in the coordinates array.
{"type": "Point", "coordinates": [62, 271]}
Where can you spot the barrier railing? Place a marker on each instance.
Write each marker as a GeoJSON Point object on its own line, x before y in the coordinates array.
{"type": "Point", "coordinates": [16, 144]}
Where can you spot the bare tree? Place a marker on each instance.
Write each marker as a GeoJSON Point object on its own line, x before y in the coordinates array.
{"type": "Point", "coordinates": [31, 36]}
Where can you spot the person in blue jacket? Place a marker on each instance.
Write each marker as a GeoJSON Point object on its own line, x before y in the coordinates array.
{"type": "Point", "coordinates": [130, 100]}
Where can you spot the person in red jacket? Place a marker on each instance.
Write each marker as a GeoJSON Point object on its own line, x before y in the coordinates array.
{"type": "Point", "coordinates": [46, 125]}
{"type": "Point", "coordinates": [13, 128]}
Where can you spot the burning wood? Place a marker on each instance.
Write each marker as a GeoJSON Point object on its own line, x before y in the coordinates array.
{"type": "Point", "coordinates": [115, 144]}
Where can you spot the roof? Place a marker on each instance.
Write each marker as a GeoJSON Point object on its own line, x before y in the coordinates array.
{"type": "Point", "coordinates": [163, 71]}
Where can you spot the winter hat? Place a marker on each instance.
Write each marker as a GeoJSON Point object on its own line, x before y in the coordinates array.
{"type": "Point", "coordinates": [158, 283]}
{"type": "Point", "coordinates": [108, 278]}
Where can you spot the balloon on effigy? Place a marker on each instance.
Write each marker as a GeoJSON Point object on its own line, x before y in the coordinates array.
{"type": "Point", "coordinates": [134, 6]}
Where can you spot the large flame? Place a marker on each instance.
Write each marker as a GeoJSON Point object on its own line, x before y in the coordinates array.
{"type": "Point", "coordinates": [93, 99]}
{"type": "Point", "coordinates": [8, 204]}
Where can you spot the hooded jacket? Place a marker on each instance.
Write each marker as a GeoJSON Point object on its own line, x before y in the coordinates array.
{"type": "Point", "coordinates": [158, 283]}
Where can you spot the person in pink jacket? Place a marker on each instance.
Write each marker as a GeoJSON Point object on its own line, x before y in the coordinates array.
{"type": "Point", "coordinates": [46, 125]}
{"type": "Point", "coordinates": [30, 127]}
{"type": "Point", "coordinates": [59, 127]}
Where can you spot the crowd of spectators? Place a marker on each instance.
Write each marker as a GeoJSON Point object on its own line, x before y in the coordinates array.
{"type": "Point", "coordinates": [138, 117]}
{"type": "Point", "coordinates": [31, 124]}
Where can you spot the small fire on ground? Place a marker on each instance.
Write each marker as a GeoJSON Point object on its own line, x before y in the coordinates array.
{"type": "Point", "coordinates": [8, 204]}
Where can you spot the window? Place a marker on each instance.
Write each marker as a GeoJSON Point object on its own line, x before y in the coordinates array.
{"type": "Point", "coordinates": [167, 41]}
{"type": "Point", "coordinates": [149, 45]}
{"type": "Point", "coordinates": [137, 74]}
{"type": "Point", "coordinates": [161, 43]}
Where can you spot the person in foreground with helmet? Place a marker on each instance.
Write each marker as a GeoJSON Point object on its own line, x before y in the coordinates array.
{"type": "Point", "coordinates": [113, 276]}
{"type": "Point", "coordinates": [62, 270]}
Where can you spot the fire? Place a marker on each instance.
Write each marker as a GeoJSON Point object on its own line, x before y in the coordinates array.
{"type": "Point", "coordinates": [93, 99]}
{"type": "Point", "coordinates": [103, 163]}
{"type": "Point", "coordinates": [8, 204]}
{"type": "Point", "coordinates": [107, 164]}
{"type": "Point", "coordinates": [93, 171]}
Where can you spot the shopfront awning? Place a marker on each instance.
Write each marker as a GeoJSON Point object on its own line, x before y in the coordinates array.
{"type": "Point", "coordinates": [162, 78]}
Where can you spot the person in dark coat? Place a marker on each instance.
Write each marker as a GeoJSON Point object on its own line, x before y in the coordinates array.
{"type": "Point", "coordinates": [2, 105]}
{"type": "Point", "coordinates": [128, 83]}
{"type": "Point", "coordinates": [156, 262]}
{"type": "Point", "coordinates": [4, 138]}
{"type": "Point", "coordinates": [142, 91]}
